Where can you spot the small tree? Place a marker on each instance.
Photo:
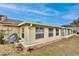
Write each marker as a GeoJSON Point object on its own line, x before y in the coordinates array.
{"type": "Point", "coordinates": [1, 37]}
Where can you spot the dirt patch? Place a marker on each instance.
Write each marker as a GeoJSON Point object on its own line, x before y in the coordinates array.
{"type": "Point", "coordinates": [65, 47]}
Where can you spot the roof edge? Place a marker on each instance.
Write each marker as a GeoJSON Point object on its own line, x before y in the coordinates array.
{"type": "Point", "coordinates": [23, 23]}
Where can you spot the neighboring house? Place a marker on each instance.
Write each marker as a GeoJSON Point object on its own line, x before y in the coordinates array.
{"type": "Point", "coordinates": [33, 33]}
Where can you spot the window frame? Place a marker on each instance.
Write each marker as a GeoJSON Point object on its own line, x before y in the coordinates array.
{"type": "Point", "coordinates": [50, 33]}
{"type": "Point", "coordinates": [39, 32]}
{"type": "Point", "coordinates": [22, 34]}
{"type": "Point", "coordinates": [62, 32]}
{"type": "Point", "coordinates": [57, 32]}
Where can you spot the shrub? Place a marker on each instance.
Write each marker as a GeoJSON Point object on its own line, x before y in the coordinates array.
{"type": "Point", "coordinates": [1, 37]}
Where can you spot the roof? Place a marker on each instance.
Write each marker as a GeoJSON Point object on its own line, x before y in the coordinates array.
{"type": "Point", "coordinates": [11, 22]}
{"type": "Point", "coordinates": [35, 23]}
{"type": "Point", "coordinates": [2, 16]}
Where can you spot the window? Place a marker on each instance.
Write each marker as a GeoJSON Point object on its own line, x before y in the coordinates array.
{"type": "Point", "coordinates": [71, 31]}
{"type": "Point", "coordinates": [68, 31]}
{"type": "Point", "coordinates": [62, 32]}
{"type": "Point", "coordinates": [57, 32]}
{"type": "Point", "coordinates": [50, 32]}
{"type": "Point", "coordinates": [39, 32]}
{"type": "Point", "coordinates": [22, 32]}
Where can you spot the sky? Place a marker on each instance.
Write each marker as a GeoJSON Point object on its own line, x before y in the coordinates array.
{"type": "Point", "coordinates": [48, 13]}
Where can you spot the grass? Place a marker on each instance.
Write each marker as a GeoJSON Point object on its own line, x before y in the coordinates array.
{"type": "Point", "coordinates": [65, 47]}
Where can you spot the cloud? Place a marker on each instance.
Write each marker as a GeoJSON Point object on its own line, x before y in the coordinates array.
{"type": "Point", "coordinates": [40, 12]}
{"type": "Point", "coordinates": [52, 11]}
{"type": "Point", "coordinates": [70, 17]}
{"type": "Point", "coordinates": [43, 10]}
{"type": "Point", "coordinates": [47, 8]}
{"type": "Point", "coordinates": [10, 6]}
{"type": "Point", "coordinates": [72, 13]}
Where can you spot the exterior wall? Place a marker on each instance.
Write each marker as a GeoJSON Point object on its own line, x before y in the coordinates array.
{"type": "Point", "coordinates": [27, 35]}
{"type": "Point", "coordinates": [67, 33]}
{"type": "Point", "coordinates": [30, 36]}
{"type": "Point", "coordinates": [76, 29]}
{"type": "Point", "coordinates": [13, 30]}
{"type": "Point", "coordinates": [8, 30]}
{"type": "Point", "coordinates": [57, 37]}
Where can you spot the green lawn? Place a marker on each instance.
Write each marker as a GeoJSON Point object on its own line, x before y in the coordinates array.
{"type": "Point", "coordinates": [65, 47]}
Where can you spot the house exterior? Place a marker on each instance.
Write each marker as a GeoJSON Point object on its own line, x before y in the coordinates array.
{"type": "Point", "coordinates": [74, 28]}
{"type": "Point", "coordinates": [35, 33]}
{"type": "Point", "coordinates": [31, 33]}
